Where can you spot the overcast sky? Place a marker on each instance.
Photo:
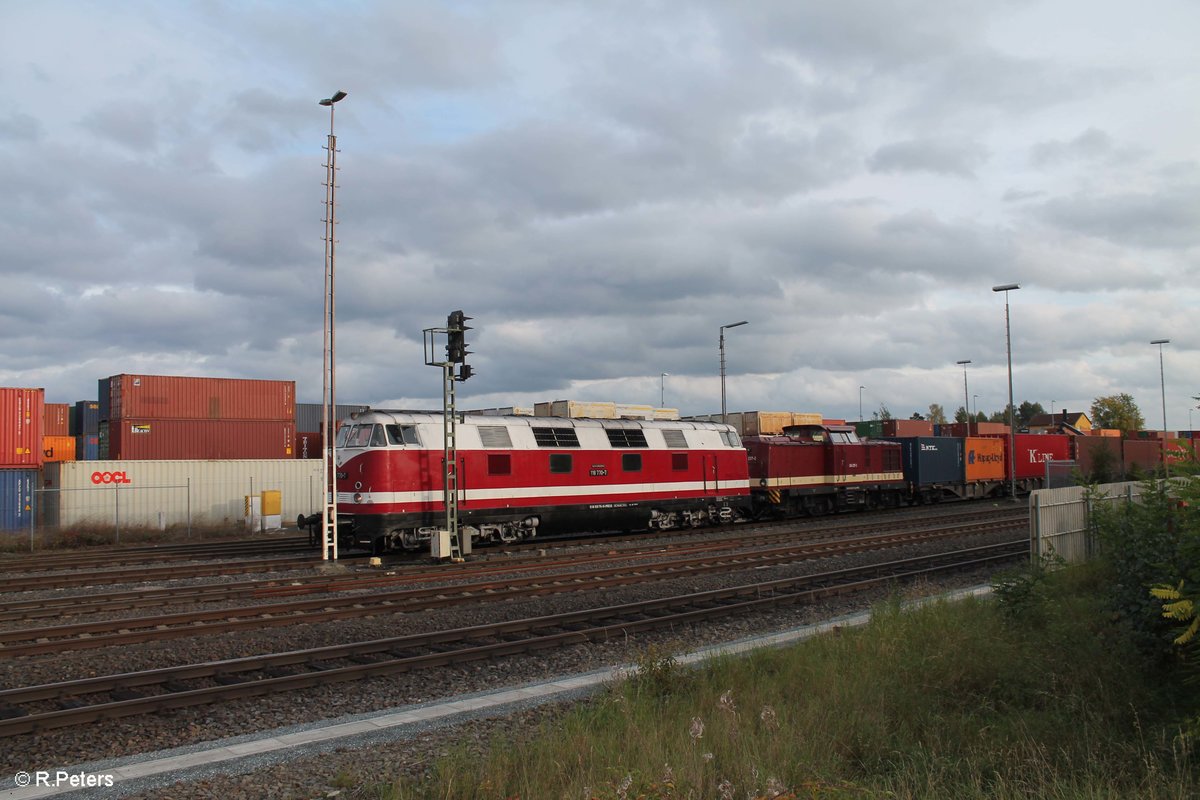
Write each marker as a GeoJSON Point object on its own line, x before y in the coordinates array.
{"type": "Point", "coordinates": [601, 186]}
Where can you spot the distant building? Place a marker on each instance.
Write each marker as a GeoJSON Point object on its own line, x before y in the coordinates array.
{"type": "Point", "coordinates": [1061, 422]}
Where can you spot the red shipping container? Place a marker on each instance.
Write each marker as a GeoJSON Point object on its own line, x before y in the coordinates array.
{"type": "Point", "coordinates": [962, 429]}
{"type": "Point", "coordinates": [894, 428]}
{"type": "Point", "coordinates": [308, 445]}
{"type": "Point", "coordinates": [57, 419]}
{"type": "Point", "coordinates": [21, 412]}
{"type": "Point", "coordinates": [1035, 449]}
{"type": "Point", "coordinates": [1180, 451]}
{"type": "Point", "coordinates": [167, 397]}
{"type": "Point", "coordinates": [1141, 457]}
{"type": "Point", "coordinates": [188, 439]}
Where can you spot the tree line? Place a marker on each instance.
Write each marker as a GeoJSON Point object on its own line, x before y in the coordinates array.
{"type": "Point", "coordinates": [1117, 411]}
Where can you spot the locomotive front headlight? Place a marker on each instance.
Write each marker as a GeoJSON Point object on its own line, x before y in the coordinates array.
{"type": "Point", "coordinates": [358, 497]}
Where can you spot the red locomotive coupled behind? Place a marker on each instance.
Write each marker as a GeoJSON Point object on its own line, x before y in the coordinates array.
{"type": "Point", "coordinates": [820, 469]}
{"type": "Point", "coordinates": [523, 476]}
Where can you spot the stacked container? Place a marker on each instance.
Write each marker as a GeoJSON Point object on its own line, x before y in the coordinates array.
{"type": "Point", "coordinates": [156, 417]}
{"type": "Point", "coordinates": [85, 427]}
{"type": "Point", "coordinates": [21, 424]}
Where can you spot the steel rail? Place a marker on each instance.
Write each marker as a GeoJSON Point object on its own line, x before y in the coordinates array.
{"type": "Point", "coordinates": [459, 646]}
{"type": "Point", "coordinates": [91, 635]}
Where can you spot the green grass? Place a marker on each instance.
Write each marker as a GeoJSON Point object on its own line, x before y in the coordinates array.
{"type": "Point", "coordinates": [953, 700]}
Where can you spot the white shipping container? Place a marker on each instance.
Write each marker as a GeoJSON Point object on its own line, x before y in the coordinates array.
{"type": "Point", "coordinates": [157, 493]}
{"type": "Point", "coordinates": [633, 411]}
{"type": "Point", "coordinates": [667, 413]}
{"type": "Point", "coordinates": [576, 409]}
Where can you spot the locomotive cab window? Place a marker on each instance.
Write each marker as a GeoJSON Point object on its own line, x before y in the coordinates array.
{"type": "Point", "coordinates": [731, 438]}
{"type": "Point", "coordinates": [561, 463]}
{"type": "Point", "coordinates": [402, 434]}
{"type": "Point", "coordinates": [631, 462]}
{"type": "Point", "coordinates": [378, 438]}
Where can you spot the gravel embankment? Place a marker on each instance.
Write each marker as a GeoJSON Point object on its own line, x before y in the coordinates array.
{"type": "Point", "coordinates": [318, 776]}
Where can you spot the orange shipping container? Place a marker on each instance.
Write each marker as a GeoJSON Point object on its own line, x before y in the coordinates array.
{"type": "Point", "coordinates": [985, 458]}
{"type": "Point", "coordinates": [58, 448]}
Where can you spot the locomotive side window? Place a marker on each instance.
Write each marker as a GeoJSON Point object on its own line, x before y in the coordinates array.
{"type": "Point", "coordinates": [555, 437]}
{"type": "Point", "coordinates": [500, 464]}
{"type": "Point", "coordinates": [679, 462]}
{"type": "Point", "coordinates": [731, 438]}
{"type": "Point", "coordinates": [674, 438]}
{"type": "Point", "coordinates": [626, 437]}
{"type": "Point", "coordinates": [631, 462]}
{"type": "Point", "coordinates": [561, 463]}
{"type": "Point", "coordinates": [402, 434]}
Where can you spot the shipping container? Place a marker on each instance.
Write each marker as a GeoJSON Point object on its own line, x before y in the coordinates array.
{"type": "Point", "coordinates": [1180, 451]}
{"type": "Point", "coordinates": [1034, 450]}
{"type": "Point", "coordinates": [164, 397]}
{"type": "Point", "coordinates": [1111, 433]}
{"type": "Point", "coordinates": [869, 429]}
{"type": "Point", "coordinates": [984, 458]}
{"type": "Point", "coordinates": [85, 418]}
{"type": "Point", "coordinates": [666, 413]}
{"type": "Point", "coordinates": [21, 412]}
{"type": "Point", "coordinates": [1141, 457]}
{"type": "Point", "coordinates": [16, 498]}
{"type": "Point", "coordinates": [58, 448]}
{"type": "Point", "coordinates": [1099, 458]}
{"type": "Point", "coordinates": [56, 419]}
{"type": "Point", "coordinates": [576, 408]}
{"type": "Point", "coordinates": [633, 411]}
{"type": "Point", "coordinates": [308, 415]}
{"type": "Point", "coordinates": [103, 398]}
{"type": "Point", "coordinates": [975, 429]}
{"type": "Point", "coordinates": [174, 439]}
{"type": "Point", "coordinates": [155, 494]}
{"type": "Point", "coordinates": [930, 460]}
{"type": "Point", "coordinates": [308, 445]}
{"type": "Point", "coordinates": [893, 428]}
{"type": "Point", "coordinates": [87, 447]}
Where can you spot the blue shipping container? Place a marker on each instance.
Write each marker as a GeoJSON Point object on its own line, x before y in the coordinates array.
{"type": "Point", "coordinates": [16, 498]}
{"type": "Point", "coordinates": [85, 418]}
{"type": "Point", "coordinates": [87, 448]}
{"type": "Point", "coordinates": [930, 460]}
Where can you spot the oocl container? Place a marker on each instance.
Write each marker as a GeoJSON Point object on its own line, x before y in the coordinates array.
{"type": "Point", "coordinates": [21, 413]}
{"type": "Point", "coordinates": [170, 397]}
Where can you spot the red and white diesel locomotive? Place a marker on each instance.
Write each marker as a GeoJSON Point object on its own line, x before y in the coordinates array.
{"type": "Point", "coordinates": [520, 476]}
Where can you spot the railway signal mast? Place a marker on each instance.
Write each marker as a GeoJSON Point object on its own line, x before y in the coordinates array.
{"type": "Point", "coordinates": [456, 353]}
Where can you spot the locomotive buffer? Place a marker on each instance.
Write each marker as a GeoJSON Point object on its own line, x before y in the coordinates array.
{"type": "Point", "coordinates": [456, 353]}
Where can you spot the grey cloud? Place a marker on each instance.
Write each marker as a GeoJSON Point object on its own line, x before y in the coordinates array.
{"type": "Point", "coordinates": [1166, 218]}
{"type": "Point", "coordinates": [130, 125]}
{"type": "Point", "coordinates": [937, 156]}
{"type": "Point", "coordinates": [1090, 144]}
{"type": "Point", "coordinates": [19, 127]}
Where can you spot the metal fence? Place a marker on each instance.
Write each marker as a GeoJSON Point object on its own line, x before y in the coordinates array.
{"type": "Point", "coordinates": [1060, 519]}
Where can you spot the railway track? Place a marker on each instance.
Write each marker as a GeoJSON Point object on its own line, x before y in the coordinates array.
{"type": "Point", "coordinates": [72, 703]}
{"type": "Point", "coordinates": [506, 582]}
{"type": "Point", "coordinates": [145, 554]}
